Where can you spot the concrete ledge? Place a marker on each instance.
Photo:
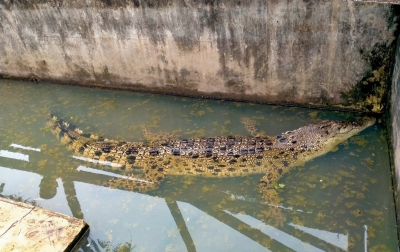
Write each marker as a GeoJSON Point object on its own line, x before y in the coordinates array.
{"type": "Point", "coordinates": [379, 1]}
{"type": "Point", "coordinates": [28, 228]}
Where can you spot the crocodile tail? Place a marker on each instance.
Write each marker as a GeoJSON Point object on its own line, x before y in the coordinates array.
{"type": "Point", "coordinates": [64, 130]}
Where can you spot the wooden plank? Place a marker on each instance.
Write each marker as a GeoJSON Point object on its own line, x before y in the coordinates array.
{"type": "Point", "coordinates": [28, 228]}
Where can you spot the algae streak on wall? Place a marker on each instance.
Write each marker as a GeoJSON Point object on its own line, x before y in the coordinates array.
{"type": "Point", "coordinates": [324, 53]}
{"type": "Point", "coordinates": [395, 126]}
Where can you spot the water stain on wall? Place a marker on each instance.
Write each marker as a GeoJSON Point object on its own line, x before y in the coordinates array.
{"type": "Point", "coordinates": [267, 51]}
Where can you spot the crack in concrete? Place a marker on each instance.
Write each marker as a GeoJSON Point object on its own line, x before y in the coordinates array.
{"type": "Point", "coordinates": [12, 225]}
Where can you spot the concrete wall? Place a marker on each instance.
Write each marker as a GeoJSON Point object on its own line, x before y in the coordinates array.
{"type": "Point", "coordinates": [395, 124]}
{"type": "Point", "coordinates": [295, 51]}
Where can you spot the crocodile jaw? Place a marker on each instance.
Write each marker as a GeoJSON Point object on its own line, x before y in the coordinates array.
{"type": "Point", "coordinates": [342, 134]}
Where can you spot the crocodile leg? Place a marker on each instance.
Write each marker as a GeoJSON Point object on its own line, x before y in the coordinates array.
{"type": "Point", "coordinates": [150, 178]}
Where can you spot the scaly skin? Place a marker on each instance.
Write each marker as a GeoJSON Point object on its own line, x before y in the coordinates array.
{"type": "Point", "coordinates": [217, 156]}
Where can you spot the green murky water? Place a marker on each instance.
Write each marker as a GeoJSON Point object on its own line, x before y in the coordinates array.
{"type": "Point", "coordinates": [341, 201]}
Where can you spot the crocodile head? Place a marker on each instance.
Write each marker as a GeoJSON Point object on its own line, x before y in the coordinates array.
{"type": "Point", "coordinates": [308, 142]}
{"type": "Point", "coordinates": [319, 138]}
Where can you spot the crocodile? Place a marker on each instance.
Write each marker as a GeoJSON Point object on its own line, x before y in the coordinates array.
{"type": "Point", "coordinates": [272, 156]}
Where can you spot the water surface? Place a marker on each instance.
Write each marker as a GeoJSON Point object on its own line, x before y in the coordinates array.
{"type": "Point", "coordinates": [342, 201]}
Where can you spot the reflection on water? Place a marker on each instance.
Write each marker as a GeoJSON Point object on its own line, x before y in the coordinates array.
{"type": "Point", "coordinates": [130, 217]}
{"type": "Point", "coordinates": [338, 240]}
{"type": "Point", "coordinates": [14, 155]}
{"type": "Point", "coordinates": [211, 234]}
{"type": "Point", "coordinates": [114, 175]}
{"type": "Point", "coordinates": [275, 233]}
{"type": "Point", "coordinates": [24, 147]}
{"type": "Point", "coordinates": [96, 161]}
{"type": "Point", "coordinates": [254, 200]}
{"type": "Point", "coordinates": [340, 201]}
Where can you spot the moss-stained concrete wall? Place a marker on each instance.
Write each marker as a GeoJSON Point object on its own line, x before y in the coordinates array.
{"type": "Point", "coordinates": [295, 51]}
{"type": "Point", "coordinates": [395, 124]}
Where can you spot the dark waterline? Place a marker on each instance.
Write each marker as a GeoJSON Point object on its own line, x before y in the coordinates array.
{"type": "Point", "coordinates": [340, 201]}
